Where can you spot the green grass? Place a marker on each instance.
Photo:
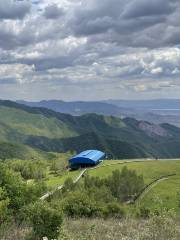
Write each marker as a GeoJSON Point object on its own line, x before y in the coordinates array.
{"type": "Point", "coordinates": [55, 181]}
{"type": "Point", "coordinates": [150, 169]}
{"type": "Point", "coordinates": [162, 195]}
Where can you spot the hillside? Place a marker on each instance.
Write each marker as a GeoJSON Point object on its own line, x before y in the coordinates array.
{"type": "Point", "coordinates": [20, 151]}
{"type": "Point", "coordinates": [51, 131]}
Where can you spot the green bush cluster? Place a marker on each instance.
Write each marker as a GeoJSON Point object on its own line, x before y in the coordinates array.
{"type": "Point", "coordinates": [91, 197]}
{"type": "Point", "coordinates": [45, 221]}
{"type": "Point", "coordinates": [95, 196]}
{"type": "Point", "coordinates": [29, 169]}
{"type": "Point", "coordinates": [15, 193]}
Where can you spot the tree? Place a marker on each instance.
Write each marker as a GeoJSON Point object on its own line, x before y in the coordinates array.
{"type": "Point", "coordinates": [125, 184]}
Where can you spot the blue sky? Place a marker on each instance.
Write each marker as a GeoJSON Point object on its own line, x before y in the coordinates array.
{"type": "Point", "coordinates": [89, 49]}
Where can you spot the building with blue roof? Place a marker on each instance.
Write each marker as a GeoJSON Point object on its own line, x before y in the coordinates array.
{"type": "Point", "coordinates": [87, 158]}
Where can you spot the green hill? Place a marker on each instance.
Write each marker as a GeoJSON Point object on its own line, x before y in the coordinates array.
{"type": "Point", "coordinates": [119, 138]}
{"type": "Point", "coordinates": [20, 151]}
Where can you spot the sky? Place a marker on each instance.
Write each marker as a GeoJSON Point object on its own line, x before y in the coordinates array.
{"type": "Point", "coordinates": [89, 49]}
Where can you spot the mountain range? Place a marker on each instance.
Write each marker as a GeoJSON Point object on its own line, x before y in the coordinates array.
{"type": "Point", "coordinates": [156, 111]}
{"type": "Point", "coordinates": [79, 107]}
{"type": "Point", "coordinates": [44, 130]}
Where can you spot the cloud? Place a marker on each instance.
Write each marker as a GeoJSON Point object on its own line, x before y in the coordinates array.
{"type": "Point", "coordinates": [53, 12]}
{"type": "Point", "coordinates": [145, 8]}
{"type": "Point", "coordinates": [121, 17]}
{"type": "Point", "coordinates": [15, 73]}
{"type": "Point", "coordinates": [14, 9]}
{"type": "Point", "coordinates": [119, 46]}
{"type": "Point", "coordinates": [7, 81]}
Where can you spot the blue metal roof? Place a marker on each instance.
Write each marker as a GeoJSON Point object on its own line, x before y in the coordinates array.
{"type": "Point", "coordinates": [87, 157]}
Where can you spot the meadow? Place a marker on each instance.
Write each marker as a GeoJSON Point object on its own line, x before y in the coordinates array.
{"type": "Point", "coordinates": [164, 194]}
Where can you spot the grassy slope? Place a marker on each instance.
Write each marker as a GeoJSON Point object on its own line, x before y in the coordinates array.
{"type": "Point", "coordinates": [150, 169]}
{"type": "Point", "coordinates": [20, 151]}
{"type": "Point", "coordinates": [55, 181]}
{"type": "Point", "coordinates": [162, 195]}
{"type": "Point", "coordinates": [34, 124]}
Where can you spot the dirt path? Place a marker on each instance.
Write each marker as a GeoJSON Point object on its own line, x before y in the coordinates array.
{"type": "Point", "coordinates": [48, 194]}
{"type": "Point", "coordinates": [152, 185]}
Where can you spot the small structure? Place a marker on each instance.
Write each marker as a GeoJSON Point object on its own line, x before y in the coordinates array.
{"type": "Point", "coordinates": [87, 158]}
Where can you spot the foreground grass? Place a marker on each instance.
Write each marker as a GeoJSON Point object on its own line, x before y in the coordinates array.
{"type": "Point", "coordinates": [13, 232]}
{"type": "Point", "coordinates": [155, 228]}
{"type": "Point", "coordinates": [163, 227]}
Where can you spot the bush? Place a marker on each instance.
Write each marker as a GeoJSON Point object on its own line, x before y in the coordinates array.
{"type": "Point", "coordinates": [114, 210]}
{"type": "Point", "coordinates": [125, 185]}
{"type": "Point", "coordinates": [79, 204]}
{"type": "Point", "coordinates": [144, 212]}
{"type": "Point", "coordinates": [29, 169]}
{"type": "Point", "coordinates": [68, 185]}
{"type": "Point", "coordinates": [46, 221]}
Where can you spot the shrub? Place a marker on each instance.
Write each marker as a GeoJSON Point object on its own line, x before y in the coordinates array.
{"type": "Point", "coordinates": [144, 212]}
{"type": "Point", "coordinates": [68, 185]}
{"type": "Point", "coordinates": [46, 221]}
{"type": "Point", "coordinates": [114, 210]}
{"type": "Point", "coordinates": [79, 204]}
{"type": "Point", "coordinates": [125, 185]}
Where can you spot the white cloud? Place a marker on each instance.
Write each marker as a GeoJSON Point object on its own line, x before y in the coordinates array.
{"type": "Point", "coordinates": [20, 73]}
{"type": "Point", "coordinates": [110, 45]}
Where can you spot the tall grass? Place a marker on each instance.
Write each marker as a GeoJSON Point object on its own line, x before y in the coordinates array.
{"type": "Point", "coordinates": [162, 227]}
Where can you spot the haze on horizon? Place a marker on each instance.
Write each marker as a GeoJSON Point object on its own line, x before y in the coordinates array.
{"type": "Point", "coordinates": [89, 49]}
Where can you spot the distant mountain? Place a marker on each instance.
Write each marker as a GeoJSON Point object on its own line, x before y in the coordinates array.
{"type": "Point", "coordinates": [47, 130]}
{"type": "Point", "coordinates": [155, 111]}
{"type": "Point", "coordinates": [157, 119]}
{"type": "Point", "coordinates": [78, 108]}
{"type": "Point", "coordinates": [158, 106]}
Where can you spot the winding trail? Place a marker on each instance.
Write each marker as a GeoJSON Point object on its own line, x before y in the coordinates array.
{"type": "Point", "coordinates": [151, 185]}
